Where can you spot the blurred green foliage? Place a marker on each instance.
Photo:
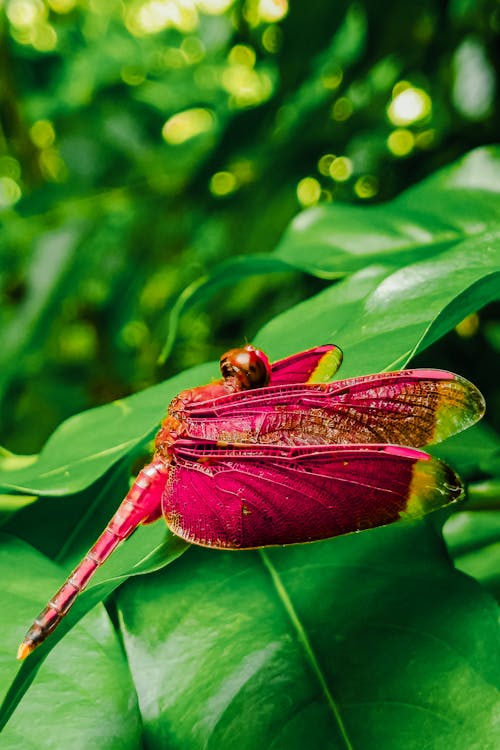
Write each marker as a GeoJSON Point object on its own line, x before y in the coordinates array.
{"type": "Point", "coordinates": [142, 142]}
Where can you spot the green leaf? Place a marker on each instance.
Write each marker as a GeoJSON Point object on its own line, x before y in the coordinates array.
{"type": "Point", "coordinates": [10, 461]}
{"type": "Point", "coordinates": [334, 645]}
{"type": "Point", "coordinates": [473, 539]}
{"type": "Point", "coordinates": [85, 445]}
{"type": "Point", "coordinates": [381, 319]}
{"type": "Point", "coordinates": [64, 531]}
{"type": "Point", "coordinates": [333, 240]}
{"type": "Point", "coordinates": [469, 531]}
{"type": "Point", "coordinates": [457, 202]}
{"type": "Point", "coordinates": [130, 560]}
{"type": "Point", "coordinates": [471, 452]}
{"type": "Point", "coordinates": [84, 696]}
{"type": "Point", "coordinates": [11, 503]}
{"type": "Point", "coordinates": [483, 564]}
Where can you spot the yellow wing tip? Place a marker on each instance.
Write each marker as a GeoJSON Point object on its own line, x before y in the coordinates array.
{"type": "Point", "coordinates": [434, 485]}
{"type": "Point", "coordinates": [327, 366]}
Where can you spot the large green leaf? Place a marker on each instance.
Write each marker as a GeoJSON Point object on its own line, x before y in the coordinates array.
{"type": "Point", "coordinates": [84, 696]}
{"type": "Point", "coordinates": [332, 240]}
{"type": "Point", "coordinates": [457, 202]}
{"type": "Point", "coordinates": [366, 641]}
{"type": "Point", "coordinates": [474, 451]}
{"type": "Point", "coordinates": [147, 551]}
{"type": "Point", "coordinates": [381, 318]}
{"type": "Point", "coordinates": [85, 445]}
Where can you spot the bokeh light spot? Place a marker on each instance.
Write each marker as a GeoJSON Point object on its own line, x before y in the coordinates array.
{"type": "Point", "coordinates": [132, 75]}
{"type": "Point", "coordinates": [272, 10]}
{"type": "Point", "coordinates": [324, 164]}
{"type": "Point", "coordinates": [341, 169]}
{"type": "Point", "coordinates": [10, 167]}
{"type": "Point", "coordinates": [426, 139]}
{"type": "Point", "coordinates": [272, 39]}
{"type": "Point", "coordinates": [78, 342]}
{"type": "Point", "coordinates": [342, 109]}
{"type": "Point", "coordinates": [223, 183]}
{"type": "Point", "coordinates": [332, 78]}
{"type": "Point", "coordinates": [469, 326]}
{"type": "Point", "coordinates": [10, 192]}
{"type": "Point", "coordinates": [242, 54]}
{"type": "Point", "coordinates": [474, 87]}
{"type": "Point", "coordinates": [308, 191]}
{"type": "Point", "coordinates": [26, 13]}
{"type": "Point", "coordinates": [188, 124]}
{"type": "Point", "coordinates": [248, 87]}
{"type": "Point", "coordinates": [134, 334]}
{"type": "Point", "coordinates": [156, 15]}
{"type": "Point", "coordinates": [401, 142]}
{"type": "Point", "coordinates": [52, 166]}
{"type": "Point", "coordinates": [44, 37]}
{"type": "Point", "coordinates": [61, 6]}
{"type": "Point", "coordinates": [409, 106]}
{"type": "Point", "coordinates": [193, 49]}
{"type": "Point", "coordinates": [366, 186]}
{"type": "Point", "coordinates": [243, 169]}
{"type": "Point", "coordinates": [42, 133]}
{"type": "Point", "coordinates": [214, 7]}
{"type": "Point", "coordinates": [399, 87]}
{"type": "Point", "coordinates": [173, 57]}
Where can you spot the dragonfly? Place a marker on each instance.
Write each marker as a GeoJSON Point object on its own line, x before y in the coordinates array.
{"type": "Point", "coordinates": [274, 454]}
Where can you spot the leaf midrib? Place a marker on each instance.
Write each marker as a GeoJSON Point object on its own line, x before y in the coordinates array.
{"type": "Point", "coordinates": [306, 645]}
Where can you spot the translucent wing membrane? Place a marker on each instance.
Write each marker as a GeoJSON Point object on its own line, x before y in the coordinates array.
{"type": "Point", "coordinates": [410, 407]}
{"type": "Point", "coordinates": [241, 497]}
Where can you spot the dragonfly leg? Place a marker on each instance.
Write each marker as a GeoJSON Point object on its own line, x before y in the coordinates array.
{"type": "Point", "coordinates": [141, 504]}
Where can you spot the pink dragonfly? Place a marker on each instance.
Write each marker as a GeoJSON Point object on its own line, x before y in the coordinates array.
{"type": "Point", "coordinates": [272, 455]}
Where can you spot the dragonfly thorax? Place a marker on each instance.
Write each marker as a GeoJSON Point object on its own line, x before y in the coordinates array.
{"type": "Point", "coordinates": [171, 430]}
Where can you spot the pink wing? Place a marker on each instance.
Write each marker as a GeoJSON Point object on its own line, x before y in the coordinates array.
{"type": "Point", "coordinates": [312, 366]}
{"type": "Point", "coordinates": [254, 496]}
{"type": "Point", "coordinates": [412, 407]}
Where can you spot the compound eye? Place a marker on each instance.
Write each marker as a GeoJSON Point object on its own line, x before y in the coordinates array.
{"type": "Point", "coordinates": [248, 365]}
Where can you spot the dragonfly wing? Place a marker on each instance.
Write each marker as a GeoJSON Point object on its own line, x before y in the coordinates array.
{"type": "Point", "coordinates": [409, 407]}
{"type": "Point", "coordinates": [316, 365]}
{"type": "Point", "coordinates": [254, 496]}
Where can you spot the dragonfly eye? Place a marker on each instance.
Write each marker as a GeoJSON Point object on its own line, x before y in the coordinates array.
{"type": "Point", "coordinates": [249, 366]}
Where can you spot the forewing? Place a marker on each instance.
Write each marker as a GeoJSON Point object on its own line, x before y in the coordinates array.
{"type": "Point", "coordinates": [254, 496]}
{"type": "Point", "coordinates": [409, 407]}
{"type": "Point", "coordinates": [316, 365]}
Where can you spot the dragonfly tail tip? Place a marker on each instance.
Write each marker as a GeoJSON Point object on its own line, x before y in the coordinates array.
{"type": "Point", "coordinates": [25, 650]}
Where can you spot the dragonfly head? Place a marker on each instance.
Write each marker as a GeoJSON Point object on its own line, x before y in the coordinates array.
{"type": "Point", "coordinates": [248, 366]}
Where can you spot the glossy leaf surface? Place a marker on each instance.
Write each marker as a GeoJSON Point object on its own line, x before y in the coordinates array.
{"type": "Point", "coordinates": [84, 695]}
{"type": "Point", "coordinates": [322, 645]}
{"type": "Point", "coordinates": [130, 560]}
{"type": "Point", "coordinates": [84, 446]}
{"type": "Point", "coordinates": [458, 202]}
{"type": "Point", "coordinates": [380, 319]}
